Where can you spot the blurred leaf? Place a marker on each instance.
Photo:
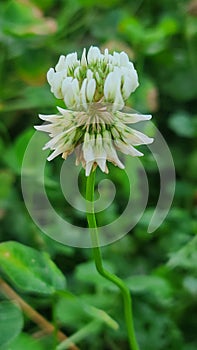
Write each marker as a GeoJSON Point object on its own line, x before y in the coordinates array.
{"type": "Point", "coordinates": [182, 124]}
{"type": "Point", "coordinates": [86, 273]}
{"type": "Point", "coordinates": [79, 312]}
{"type": "Point", "coordinates": [32, 71]}
{"type": "Point", "coordinates": [70, 312]}
{"type": "Point", "coordinates": [30, 270]}
{"type": "Point", "coordinates": [14, 156]}
{"type": "Point", "coordinates": [153, 326]}
{"type": "Point", "coordinates": [92, 3]}
{"type": "Point", "coordinates": [133, 29]}
{"type": "Point", "coordinates": [11, 322]}
{"type": "Point", "coordinates": [146, 97]}
{"type": "Point", "coordinates": [6, 181]}
{"type": "Point", "coordinates": [186, 257]}
{"type": "Point", "coordinates": [23, 18]}
{"type": "Point", "coordinates": [24, 342]}
{"type": "Point", "coordinates": [190, 284]}
{"type": "Point", "coordinates": [31, 97]}
{"type": "Point", "coordinates": [152, 284]}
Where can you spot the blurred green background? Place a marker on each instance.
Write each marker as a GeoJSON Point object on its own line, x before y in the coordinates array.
{"type": "Point", "coordinates": [160, 37]}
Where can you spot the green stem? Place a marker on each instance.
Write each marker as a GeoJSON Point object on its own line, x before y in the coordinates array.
{"type": "Point", "coordinates": [99, 265]}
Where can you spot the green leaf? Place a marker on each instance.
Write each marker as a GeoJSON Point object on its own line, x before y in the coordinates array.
{"type": "Point", "coordinates": [25, 18]}
{"type": "Point", "coordinates": [6, 178]}
{"type": "Point", "coordinates": [182, 124]}
{"type": "Point", "coordinates": [30, 270]}
{"type": "Point", "coordinates": [13, 156]}
{"type": "Point", "coordinates": [24, 342]}
{"type": "Point", "coordinates": [186, 257]}
{"type": "Point", "coordinates": [87, 273]}
{"type": "Point", "coordinates": [11, 322]}
{"type": "Point", "coordinates": [76, 311]}
{"type": "Point", "coordinates": [153, 284]}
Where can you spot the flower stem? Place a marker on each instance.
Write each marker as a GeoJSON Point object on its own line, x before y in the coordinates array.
{"type": "Point", "coordinates": [99, 265]}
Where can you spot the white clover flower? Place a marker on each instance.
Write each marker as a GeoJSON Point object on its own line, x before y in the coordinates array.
{"type": "Point", "coordinates": [94, 90]}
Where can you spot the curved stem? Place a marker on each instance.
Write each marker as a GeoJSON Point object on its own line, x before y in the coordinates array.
{"type": "Point", "coordinates": [99, 265]}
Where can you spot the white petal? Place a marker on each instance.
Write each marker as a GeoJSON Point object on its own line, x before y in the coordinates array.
{"type": "Point", "coordinates": [69, 90]}
{"type": "Point", "coordinates": [66, 85]}
{"type": "Point", "coordinates": [51, 117]}
{"type": "Point", "coordinates": [88, 152]}
{"type": "Point", "coordinates": [77, 72]}
{"type": "Point", "coordinates": [110, 150]}
{"type": "Point", "coordinates": [100, 153]}
{"type": "Point", "coordinates": [118, 102]}
{"type": "Point", "coordinates": [46, 128]}
{"type": "Point", "coordinates": [56, 153]}
{"type": "Point", "coordinates": [89, 168]}
{"type": "Point", "coordinates": [61, 64]}
{"type": "Point", "coordinates": [50, 75]}
{"type": "Point", "coordinates": [136, 137]}
{"type": "Point", "coordinates": [83, 59]}
{"type": "Point", "coordinates": [83, 93]}
{"type": "Point", "coordinates": [76, 91]}
{"type": "Point", "coordinates": [89, 74]}
{"type": "Point", "coordinates": [127, 149]}
{"type": "Point", "coordinates": [91, 88]}
{"type": "Point", "coordinates": [130, 81]}
{"type": "Point", "coordinates": [116, 59]}
{"type": "Point", "coordinates": [124, 59]}
{"type": "Point", "coordinates": [128, 118]}
{"type": "Point", "coordinates": [56, 84]}
{"type": "Point", "coordinates": [112, 83]}
{"type": "Point", "coordinates": [71, 60]}
{"type": "Point", "coordinates": [93, 55]}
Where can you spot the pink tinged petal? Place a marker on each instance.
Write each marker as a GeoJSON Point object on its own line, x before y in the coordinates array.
{"type": "Point", "coordinates": [61, 64]}
{"type": "Point", "coordinates": [91, 88]}
{"type": "Point", "coordinates": [79, 156]}
{"type": "Point", "coordinates": [127, 149]}
{"type": "Point", "coordinates": [128, 118]}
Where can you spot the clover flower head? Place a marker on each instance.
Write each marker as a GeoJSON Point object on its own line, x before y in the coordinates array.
{"type": "Point", "coordinates": [94, 124]}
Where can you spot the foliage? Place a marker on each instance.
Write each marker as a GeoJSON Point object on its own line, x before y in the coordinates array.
{"type": "Point", "coordinates": [159, 268]}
